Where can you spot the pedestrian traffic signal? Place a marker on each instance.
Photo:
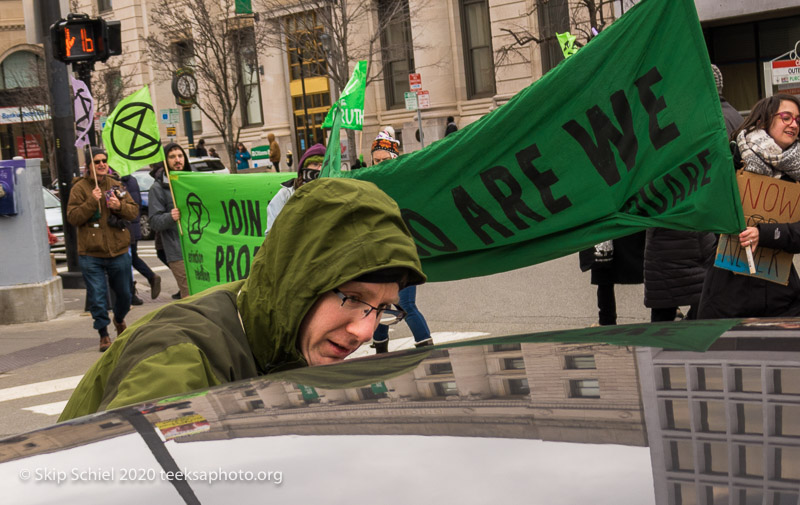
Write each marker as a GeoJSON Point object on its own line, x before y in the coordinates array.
{"type": "Point", "coordinates": [81, 38]}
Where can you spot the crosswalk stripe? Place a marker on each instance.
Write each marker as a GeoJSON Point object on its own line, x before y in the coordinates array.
{"type": "Point", "coordinates": [39, 388]}
{"type": "Point", "coordinates": [48, 409]}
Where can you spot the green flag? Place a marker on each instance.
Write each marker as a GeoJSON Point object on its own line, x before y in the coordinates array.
{"type": "Point", "coordinates": [567, 42]}
{"type": "Point", "coordinates": [351, 103]}
{"type": "Point", "coordinates": [131, 134]}
{"type": "Point", "coordinates": [332, 164]}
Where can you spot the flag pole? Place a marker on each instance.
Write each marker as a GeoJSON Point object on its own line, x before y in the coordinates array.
{"type": "Point", "coordinates": [94, 173]}
{"type": "Point", "coordinates": [169, 183]}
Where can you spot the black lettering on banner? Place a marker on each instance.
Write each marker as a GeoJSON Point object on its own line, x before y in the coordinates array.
{"type": "Point", "coordinates": [659, 137]}
{"type": "Point", "coordinates": [243, 251]}
{"type": "Point", "coordinates": [477, 217]}
{"type": "Point", "coordinates": [659, 208]}
{"type": "Point", "coordinates": [227, 225]}
{"type": "Point", "coordinates": [512, 203]}
{"type": "Point", "coordinates": [236, 221]}
{"type": "Point", "coordinates": [542, 180]}
{"type": "Point", "coordinates": [692, 173]}
{"type": "Point", "coordinates": [230, 252]}
{"type": "Point", "coordinates": [606, 133]}
{"type": "Point", "coordinates": [219, 260]}
{"type": "Point", "coordinates": [676, 188]}
{"type": "Point", "coordinates": [444, 245]}
{"type": "Point", "coordinates": [254, 218]}
{"type": "Point", "coordinates": [706, 165]}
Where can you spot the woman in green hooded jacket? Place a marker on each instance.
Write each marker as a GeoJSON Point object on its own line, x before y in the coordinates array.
{"type": "Point", "coordinates": [335, 260]}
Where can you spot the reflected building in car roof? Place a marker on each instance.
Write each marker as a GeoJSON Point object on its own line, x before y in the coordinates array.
{"type": "Point", "coordinates": [724, 425]}
{"type": "Point", "coordinates": [585, 393]}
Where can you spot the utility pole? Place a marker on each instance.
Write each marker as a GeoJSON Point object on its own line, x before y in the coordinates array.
{"type": "Point", "coordinates": [64, 133]}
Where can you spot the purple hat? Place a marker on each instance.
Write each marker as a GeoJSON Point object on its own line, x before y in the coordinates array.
{"type": "Point", "coordinates": [315, 150]}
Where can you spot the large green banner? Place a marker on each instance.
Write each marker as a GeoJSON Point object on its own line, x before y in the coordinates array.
{"type": "Point", "coordinates": [625, 134]}
{"type": "Point", "coordinates": [224, 218]}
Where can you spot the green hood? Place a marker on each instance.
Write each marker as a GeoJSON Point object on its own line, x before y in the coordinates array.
{"type": "Point", "coordinates": [330, 232]}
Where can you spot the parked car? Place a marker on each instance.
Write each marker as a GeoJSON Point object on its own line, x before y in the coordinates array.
{"type": "Point", "coordinates": [641, 414]}
{"type": "Point", "coordinates": [55, 222]}
{"type": "Point", "coordinates": [208, 164]}
{"type": "Point", "coordinates": [145, 181]}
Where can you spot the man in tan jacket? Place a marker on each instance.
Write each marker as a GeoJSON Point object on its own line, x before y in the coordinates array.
{"type": "Point", "coordinates": [274, 152]}
{"type": "Point", "coordinates": [99, 211]}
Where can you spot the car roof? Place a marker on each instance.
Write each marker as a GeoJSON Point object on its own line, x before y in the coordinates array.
{"type": "Point", "coordinates": [598, 415]}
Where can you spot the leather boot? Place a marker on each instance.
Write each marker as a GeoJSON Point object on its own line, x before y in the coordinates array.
{"type": "Point", "coordinates": [105, 343]}
{"type": "Point", "coordinates": [155, 287]}
{"type": "Point", "coordinates": [120, 327]}
{"type": "Point", "coordinates": [381, 347]}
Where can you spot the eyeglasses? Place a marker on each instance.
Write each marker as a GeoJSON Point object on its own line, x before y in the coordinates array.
{"type": "Point", "coordinates": [103, 161]}
{"type": "Point", "coordinates": [385, 315]}
{"type": "Point", "coordinates": [787, 118]}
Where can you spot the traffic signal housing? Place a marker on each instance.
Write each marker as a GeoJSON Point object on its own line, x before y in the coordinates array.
{"type": "Point", "coordinates": [81, 38]}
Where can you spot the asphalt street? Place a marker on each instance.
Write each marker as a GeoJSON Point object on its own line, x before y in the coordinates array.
{"type": "Point", "coordinates": [40, 363]}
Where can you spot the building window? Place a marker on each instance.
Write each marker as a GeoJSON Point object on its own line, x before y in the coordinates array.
{"type": "Point", "coordinates": [747, 380]}
{"type": "Point", "coordinates": [787, 463]}
{"type": "Point", "coordinates": [676, 413]}
{"type": "Point", "coordinates": [580, 362]}
{"type": "Point", "coordinates": [397, 50]}
{"type": "Point", "coordinates": [709, 378]}
{"type": "Point", "coordinates": [787, 420]}
{"type": "Point", "coordinates": [445, 388]}
{"type": "Point", "coordinates": [584, 388]}
{"type": "Point", "coordinates": [478, 54]}
{"type": "Point", "coordinates": [112, 80]}
{"type": "Point", "coordinates": [104, 5]}
{"type": "Point", "coordinates": [518, 387]}
{"type": "Point", "coordinates": [249, 87]}
{"type": "Point", "coordinates": [506, 347]}
{"type": "Point", "coordinates": [371, 393]}
{"type": "Point", "coordinates": [20, 70]}
{"type": "Point", "coordinates": [712, 417]}
{"type": "Point", "coordinates": [715, 456]}
{"type": "Point", "coordinates": [787, 381]}
{"type": "Point", "coordinates": [197, 120]}
{"type": "Point", "coordinates": [256, 404]}
{"type": "Point", "coordinates": [681, 455]}
{"type": "Point", "coordinates": [553, 17]}
{"type": "Point", "coordinates": [750, 461]}
{"type": "Point", "coordinates": [749, 418]}
{"type": "Point", "coordinates": [441, 368]}
{"type": "Point", "coordinates": [673, 378]}
{"type": "Point", "coordinates": [513, 364]}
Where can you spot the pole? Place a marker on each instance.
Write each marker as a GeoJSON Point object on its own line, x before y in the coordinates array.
{"type": "Point", "coordinates": [419, 124]}
{"type": "Point", "coordinates": [66, 156]}
{"type": "Point", "coordinates": [303, 87]}
{"type": "Point", "coordinates": [187, 124]}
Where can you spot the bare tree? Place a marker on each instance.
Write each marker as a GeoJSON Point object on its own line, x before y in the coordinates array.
{"type": "Point", "coordinates": [219, 46]}
{"type": "Point", "coordinates": [110, 85]}
{"type": "Point", "coordinates": [331, 36]}
{"type": "Point", "coordinates": [578, 17]}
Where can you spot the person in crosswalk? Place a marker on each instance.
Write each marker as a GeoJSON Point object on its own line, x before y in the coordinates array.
{"type": "Point", "coordinates": [331, 268]}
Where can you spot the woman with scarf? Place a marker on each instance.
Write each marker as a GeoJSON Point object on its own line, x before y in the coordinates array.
{"type": "Point", "coordinates": [767, 143]}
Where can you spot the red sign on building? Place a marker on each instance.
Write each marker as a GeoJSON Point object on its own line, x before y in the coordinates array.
{"type": "Point", "coordinates": [415, 81]}
{"type": "Point", "coordinates": [30, 148]}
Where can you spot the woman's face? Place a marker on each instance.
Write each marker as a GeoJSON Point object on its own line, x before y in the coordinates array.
{"type": "Point", "coordinates": [785, 134]}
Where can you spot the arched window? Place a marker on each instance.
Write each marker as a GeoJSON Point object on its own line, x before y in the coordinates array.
{"type": "Point", "coordinates": [20, 69]}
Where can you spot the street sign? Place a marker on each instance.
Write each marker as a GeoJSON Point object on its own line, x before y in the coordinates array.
{"type": "Point", "coordinates": [411, 100]}
{"type": "Point", "coordinates": [164, 115]}
{"type": "Point", "coordinates": [424, 98]}
{"type": "Point", "coordinates": [785, 71]}
{"type": "Point", "coordinates": [174, 116]}
{"type": "Point", "coordinates": [415, 81]}
{"type": "Point", "coordinates": [171, 131]}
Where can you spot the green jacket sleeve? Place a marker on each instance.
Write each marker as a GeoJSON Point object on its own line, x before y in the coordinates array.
{"type": "Point", "coordinates": [176, 370]}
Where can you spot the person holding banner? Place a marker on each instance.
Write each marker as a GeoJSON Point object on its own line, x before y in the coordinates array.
{"type": "Point", "coordinates": [164, 216]}
{"type": "Point", "coordinates": [310, 165]}
{"type": "Point", "coordinates": [767, 143]}
{"type": "Point", "coordinates": [331, 269]}
{"type": "Point", "coordinates": [98, 206]}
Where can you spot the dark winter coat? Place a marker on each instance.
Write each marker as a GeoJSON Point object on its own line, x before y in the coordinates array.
{"type": "Point", "coordinates": [626, 267]}
{"type": "Point", "coordinates": [132, 185]}
{"type": "Point", "coordinates": [160, 211]}
{"type": "Point", "coordinates": [675, 264]}
{"type": "Point", "coordinates": [726, 294]}
{"type": "Point", "coordinates": [733, 119]}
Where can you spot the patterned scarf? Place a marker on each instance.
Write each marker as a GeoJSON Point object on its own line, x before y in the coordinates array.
{"type": "Point", "coordinates": [763, 156]}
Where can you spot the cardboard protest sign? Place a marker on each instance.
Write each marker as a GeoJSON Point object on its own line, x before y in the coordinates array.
{"type": "Point", "coordinates": [224, 217]}
{"type": "Point", "coordinates": [764, 200]}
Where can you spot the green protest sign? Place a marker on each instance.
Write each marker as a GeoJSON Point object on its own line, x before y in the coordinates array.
{"type": "Point", "coordinates": [224, 218]}
{"type": "Point", "coordinates": [351, 103]}
{"type": "Point", "coordinates": [619, 137]}
{"type": "Point", "coordinates": [131, 135]}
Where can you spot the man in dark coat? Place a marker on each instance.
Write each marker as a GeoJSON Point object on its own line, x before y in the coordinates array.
{"type": "Point", "coordinates": [132, 185]}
